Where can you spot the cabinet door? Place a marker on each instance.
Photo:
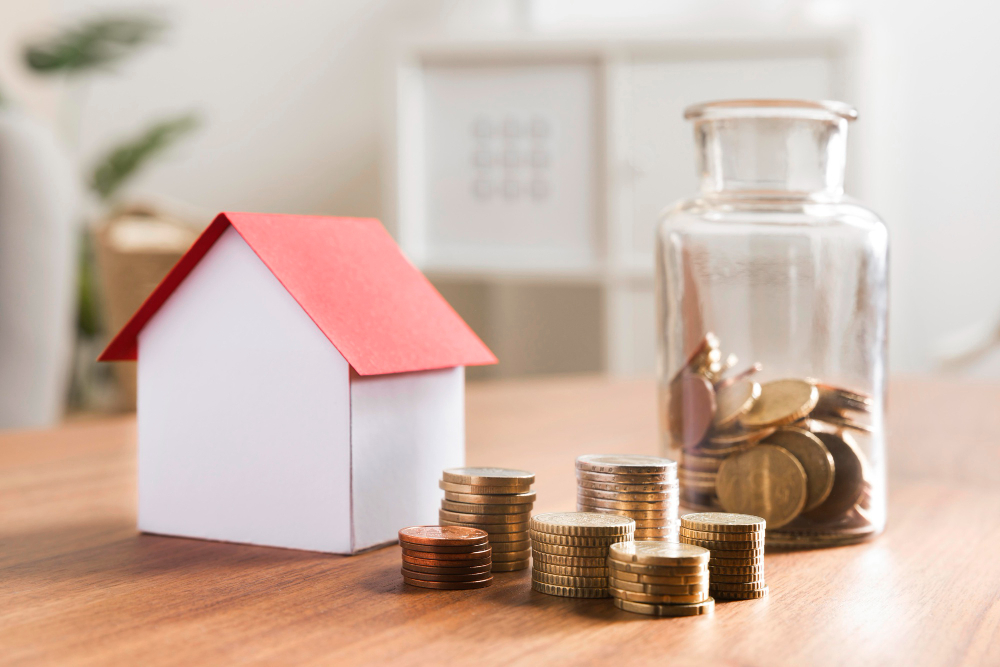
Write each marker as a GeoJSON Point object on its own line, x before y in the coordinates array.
{"type": "Point", "coordinates": [510, 164]}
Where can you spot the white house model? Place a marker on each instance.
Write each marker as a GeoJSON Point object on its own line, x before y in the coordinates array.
{"type": "Point", "coordinates": [300, 385]}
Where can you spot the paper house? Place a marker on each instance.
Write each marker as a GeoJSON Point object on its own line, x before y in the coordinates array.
{"type": "Point", "coordinates": [300, 384]}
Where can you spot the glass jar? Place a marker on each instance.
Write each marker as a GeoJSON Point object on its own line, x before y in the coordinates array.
{"type": "Point", "coordinates": [772, 297]}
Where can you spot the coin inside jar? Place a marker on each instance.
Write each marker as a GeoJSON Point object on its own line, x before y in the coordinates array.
{"type": "Point", "coordinates": [781, 402]}
{"type": "Point", "coordinates": [814, 457]}
{"type": "Point", "coordinates": [849, 480]}
{"type": "Point", "coordinates": [692, 408]}
{"type": "Point", "coordinates": [765, 481]}
{"type": "Point", "coordinates": [733, 401]}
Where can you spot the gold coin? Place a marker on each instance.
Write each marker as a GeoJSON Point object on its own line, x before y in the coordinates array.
{"type": "Point", "coordinates": [508, 556]}
{"type": "Point", "coordinates": [482, 490]}
{"type": "Point", "coordinates": [582, 523]}
{"type": "Point", "coordinates": [573, 540]}
{"type": "Point", "coordinates": [569, 592]}
{"type": "Point", "coordinates": [657, 522]}
{"type": "Point", "coordinates": [491, 528]}
{"type": "Point", "coordinates": [566, 571]}
{"type": "Point", "coordinates": [502, 547]}
{"type": "Point", "coordinates": [586, 507]}
{"type": "Point", "coordinates": [738, 578]}
{"type": "Point", "coordinates": [734, 440]}
{"type": "Point", "coordinates": [849, 478]}
{"type": "Point", "coordinates": [658, 553]}
{"type": "Point", "coordinates": [657, 570]}
{"type": "Point", "coordinates": [689, 463]}
{"type": "Point", "coordinates": [741, 595]}
{"type": "Point", "coordinates": [847, 422]}
{"type": "Point", "coordinates": [574, 582]}
{"type": "Point", "coordinates": [517, 536]}
{"type": "Point", "coordinates": [743, 562]}
{"type": "Point", "coordinates": [647, 478]}
{"type": "Point", "coordinates": [483, 518]}
{"type": "Point", "coordinates": [637, 505]}
{"type": "Point", "coordinates": [471, 508]}
{"type": "Point", "coordinates": [512, 566]}
{"type": "Point", "coordinates": [651, 487]}
{"type": "Point", "coordinates": [569, 561]}
{"type": "Point", "coordinates": [733, 401]}
{"type": "Point", "coordinates": [629, 497]}
{"type": "Point", "coordinates": [632, 596]}
{"type": "Point", "coordinates": [765, 481]}
{"type": "Point", "coordinates": [736, 587]}
{"type": "Point", "coordinates": [673, 581]}
{"type": "Point", "coordinates": [656, 534]}
{"type": "Point", "coordinates": [833, 400]}
{"type": "Point", "coordinates": [700, 588]}
{"type": "Point", "coordinates": [478, 499]}
{"type": "Point", "coordinates": [667, 610]}
{"type": "Point", "coordinates": [781, 402]}
{"type": "Point", "coordinates": [723, 522]}
{"type": "Point", "coordinates": [722, 569]}
{"type": "Point", "coordinates": [489, 476]}
{"type": "Point", "coordinates": [756, 538]}
{"type": "Point", "coordinates": [560, 550]}
{"type": "Point", "coordinates": [714, 546]}
{"type": "Point", "coordinates": [632, 464]}
{"type": "Point", "coordinates": [815, 458]}
{"type": "Point", "coordinates": [692, 408]}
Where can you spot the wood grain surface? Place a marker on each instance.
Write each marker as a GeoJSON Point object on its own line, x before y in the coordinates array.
{"type": "Point", "coordinates": [79, 586]}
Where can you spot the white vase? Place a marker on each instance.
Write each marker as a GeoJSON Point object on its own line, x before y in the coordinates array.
{"type": "Point", "coordinates": [39, 224]}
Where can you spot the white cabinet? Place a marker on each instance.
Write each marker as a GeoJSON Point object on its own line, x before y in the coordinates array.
{"type": "Point", "coordinates": [545, 163]}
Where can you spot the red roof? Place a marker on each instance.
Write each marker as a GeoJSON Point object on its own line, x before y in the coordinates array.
{"type": "Point", "coordinates": [349, 276]}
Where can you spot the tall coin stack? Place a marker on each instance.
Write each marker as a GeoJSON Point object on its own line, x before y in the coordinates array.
{"type": "Point", "coordinates": [736, 542]}
{"type": "Point", "coordinates": [570, 551]}
{"type": "Point", "coordinates": [641, 487]}
{"type": "Point", "coordinates": [660, 578]}
{"type": "Point", "coordinates": [496, 500]}
{"type": "Point", "coordinates": [443, 557]}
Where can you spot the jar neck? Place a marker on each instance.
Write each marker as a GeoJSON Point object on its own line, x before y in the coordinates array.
{"type": "Point", "coordinates": [772, 156]}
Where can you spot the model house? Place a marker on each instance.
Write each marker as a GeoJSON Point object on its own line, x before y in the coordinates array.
{"type": "Point", "coordinates": [300, 384]}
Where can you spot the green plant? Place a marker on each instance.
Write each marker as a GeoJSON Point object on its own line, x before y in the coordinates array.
{"type": "Point", "coordinates": [93, 44]}
{"type": "Point", "coordinates": [123, 161]}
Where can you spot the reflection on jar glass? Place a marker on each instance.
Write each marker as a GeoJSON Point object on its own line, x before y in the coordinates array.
{"type": "Point", "coordinates": [772, 299]}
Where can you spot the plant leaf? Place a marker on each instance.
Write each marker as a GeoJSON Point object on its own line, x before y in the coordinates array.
{"type": "Point", "coordinates": [95, 43]}
{"type": "Point", "coordinates": [123, 161]}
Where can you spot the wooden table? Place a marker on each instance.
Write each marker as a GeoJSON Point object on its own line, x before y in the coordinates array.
{"type": "Point", "coordinates": [78, 585]}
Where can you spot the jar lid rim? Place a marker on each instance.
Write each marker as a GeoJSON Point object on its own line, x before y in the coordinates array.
{"type": "Point", "coordinates": [764, 107]}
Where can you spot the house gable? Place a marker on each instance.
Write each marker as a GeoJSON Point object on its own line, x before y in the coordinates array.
{"type": "Point", "coordinates": [244, 412]}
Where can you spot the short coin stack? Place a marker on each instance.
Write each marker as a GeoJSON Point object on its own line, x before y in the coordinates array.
{"type": "Point", "coordinates": [641, 487]}
{"type": "Point", "coordinates": [495, 500]}
{"type": "Point", "coordinates": [445, 557]}
{"type": "Point", "coordinates": [660, 578]}
{"type": "Point", "coordinates": [570, 552]}
{"type": "Point", "coordinates": [736, 542]}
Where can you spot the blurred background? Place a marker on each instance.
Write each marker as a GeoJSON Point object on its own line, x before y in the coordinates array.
{"type": "Point", "coordinates": [519, 150]}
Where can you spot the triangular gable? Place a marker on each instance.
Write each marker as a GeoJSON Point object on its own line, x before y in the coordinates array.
{"type": "Point", "coordinates": [349, 276]}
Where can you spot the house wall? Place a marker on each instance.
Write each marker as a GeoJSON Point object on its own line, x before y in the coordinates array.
{"type": "Point", "coordinates": [407, 428]}
{"type": "Point", "coordinates": [244, 413]}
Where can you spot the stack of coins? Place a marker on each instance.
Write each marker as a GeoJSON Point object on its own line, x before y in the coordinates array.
{"type": "Point", "coordinates": [445, 557]}
{"type": "Point", "coordinates": [736, 543]}
{"type": "Point", "coordinates": [641, 487]}
{"type": "Point", "coordinates": [806, 433]}
{"type": "Point", "coordinates": [495, 500]}
{"type": "Point", "coordinates": [570, 552]}
{"type": "Point", "coordinates": [660, 578]}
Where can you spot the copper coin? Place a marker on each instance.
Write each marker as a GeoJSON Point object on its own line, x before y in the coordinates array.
{"type": "Point", "coordinates": [781, 402]}
{"type": "Point", "coordinates": [431, 549]}
{"type": "Point", "coordinates": [482, 490]}
{"type": "Point", "coordinates": [477, 569]}
{"type": "Point", "coordinates": [449, 585]}
{"type": "Point", "coordinates": [849, 477]}
{"type": "Point", "coordinates": [481, 476]}
{"type": "Point", "coordinates": [764, 481]}
{"type": "Point", "coordinates": [480, 499]}
{"type": "Point", "coordinates": [484, 518]}
{"type": "Point", "coordinates": [814, 457]}
{"type": "Point", "coordinates": [442, 535]}
{"type": "Point", "coordinates": [453, 564]}
{"type": "Point", "coordinates": [692, 408]}
{"type": "Point", "coordinates": [632, 464]}
{"type": "Point", "coordinates": [427, 576]}
{"type": "Point", "coordinates": [469, 555]}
